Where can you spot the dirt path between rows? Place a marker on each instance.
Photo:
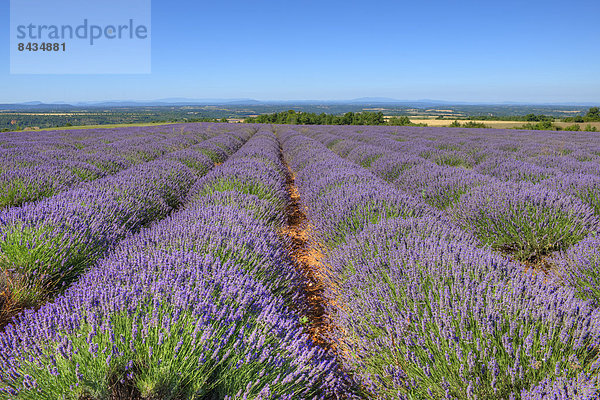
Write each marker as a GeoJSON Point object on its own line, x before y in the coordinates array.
{"type": "Point", "coordinates": [306, 253]}
{"type": "Point", "coordinates": [307, 259]}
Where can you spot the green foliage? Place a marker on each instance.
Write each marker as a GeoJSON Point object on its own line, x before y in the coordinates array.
{"type": "Point", "coordinates": [592, 115]}
{"type": "Point", "coordinates": [446, 198]}
{"type": "Point", "coordinates": [537, 118]}
{"type": "Point", "coordinates": [577, 118]}
{"type": "Point", "coordinates": [528, 233]}
{"type": "Point", "coordinates": [85, 174]}
{"type": "Point", "coordinates": [214, 156]}
{"type": "Point", "coordinates": [527, 118]}
{"type": "Point", "coordinates": [394, 171]}
{"type": "Point", "coordinates": [434, 360]}
{"type": "Point", "coordinates": [301, 118]}
{"type": "Point", "coordinates": [38, 271]}
{"type": "Point", "coordinates": [17, 119]}
{"type": "Point", "coordinates": [540, 126]}
{"type": "Point", "coordinates": [473, 124]}
{"type": "Point", "coordinates": [249, 187]}
{"type": "Point", "coordinates": [448, 146]}
{"type": "Point", "coordinates": [549, 126]}
{"type": "Point", "coordinates": [349, 118]}
{"type": "Point", "coordinates": [591, 196]}
{"type": "Point", "coordinates": [17, 191]}
{"type": "Point", "coordinates": [197, 166]}
{"type": "Point", "coordinates": [56, 118]}
{"type": "Point", "coordinates": [333, 143]}
{"type": "Point", "coordinates": [367, 213]}
{"type": "Point", "coordinates": [583, 274]}
{"type": "Point", "coordinates": [370, 160]}
{"type": "Point", "coordinates": [572, 128]}
{"type": "Point", "coordinates": [163, 363]}
{"type": "Point", "coordinates": [452, 160]}
{"type": "Point", "coordinates": [399, 121]}
{"type": "Point", "coordinates": [587, 282]}
{"type": "Point", "coordinates": [468, 124]}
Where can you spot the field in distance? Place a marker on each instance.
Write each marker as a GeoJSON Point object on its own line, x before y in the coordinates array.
{"type": "Point", "coordinates": [496, 124]}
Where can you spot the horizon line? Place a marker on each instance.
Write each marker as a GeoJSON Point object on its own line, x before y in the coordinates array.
{"type": "Point", "coordinates": [381, 100]}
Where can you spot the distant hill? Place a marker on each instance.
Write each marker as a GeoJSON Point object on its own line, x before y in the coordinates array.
{"type": "Point", "coordinates": [176, 101]}
{"type": "Point", "coordinates": [34, 105]}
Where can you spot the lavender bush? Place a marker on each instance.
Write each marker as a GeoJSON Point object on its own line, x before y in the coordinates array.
{"type": "Point", "coordinates": [200, 298]}
{"type": "Point", "coordinates": [583, 186]}
{"type": "Point", "coordinates": [40, 166]}
{"type": "Point", "coordinates": [342, 196]}
{"type": "Point", "coordinates": [191, 307]}
{"type": "Point", "coordinates": [47, 244]}
{"type": "Point", "coordinates": [579, 266]}
{"type": "Point", "coordinates": [582, 387]}
{"type": "Point", "coordinates": [527, 221]}
{"type": "Point", "coordinates": [424, 309]}
{"type": "Point", "coordinates": [425, 317]}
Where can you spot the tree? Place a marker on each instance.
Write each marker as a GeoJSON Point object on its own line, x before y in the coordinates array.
{"type": "Point", "coordinates": [348, 118]}
{"type": "Point", "coordinates": [593, 114]}
{"type": "Point", "coordinates": [399, 121]}
{"type": "Point", "coordinates": [573, 128]}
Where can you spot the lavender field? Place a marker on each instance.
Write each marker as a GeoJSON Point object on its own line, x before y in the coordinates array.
{"type": "Point", "coordinates": [248, 261]}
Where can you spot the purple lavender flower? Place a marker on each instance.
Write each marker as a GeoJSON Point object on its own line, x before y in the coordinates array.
{"type": "Point", "coordinates": [525, 220]}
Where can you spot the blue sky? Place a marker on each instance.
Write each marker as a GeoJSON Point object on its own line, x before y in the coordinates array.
{"type": "Point", "coordinates": [532, 51]}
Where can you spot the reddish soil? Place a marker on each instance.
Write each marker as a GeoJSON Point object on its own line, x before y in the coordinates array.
{"type": "Point", "coordinates": [308, 257]}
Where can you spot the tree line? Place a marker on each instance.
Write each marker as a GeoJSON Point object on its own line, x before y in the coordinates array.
{"type": "Point", "coordinates": [349, 118]}
{"type": "Point", "coordinates": [593, 115]}
{"type": "Point", "coordinates": [525, 118]}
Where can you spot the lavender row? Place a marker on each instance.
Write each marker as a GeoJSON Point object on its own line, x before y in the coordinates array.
{"type": "Point", "coordinates": [507, 155]}
{"type": "Point", "coordinates": [529, 221]}
{"type": "Point", "coordinates": [17, 144]}
{"type": "Point", "coordinates": [438, 185]}
{"type": "Point", "coordinates": [565, 152]}
{"type": "Point", "coordinates": [192, 307]}
{"type": "Point", "coordinates": [347, 197]}
{"type": "Point", "coordinates": [46, 245]}
{"type": "Point", "coordinates": [424, 312]}
{"type": "Point", "coordinates": [427, 313]}
{"type": "Point", "coordinates": [566, 162]}
{"type": "Point", "coordinates": [552, 220]}
{"type": "Point", "coordinates": [535, 223]}
{"type": "Point", "coordinates": [39, 169]}
{"type": "Point", "coordinates": [35, 165]}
